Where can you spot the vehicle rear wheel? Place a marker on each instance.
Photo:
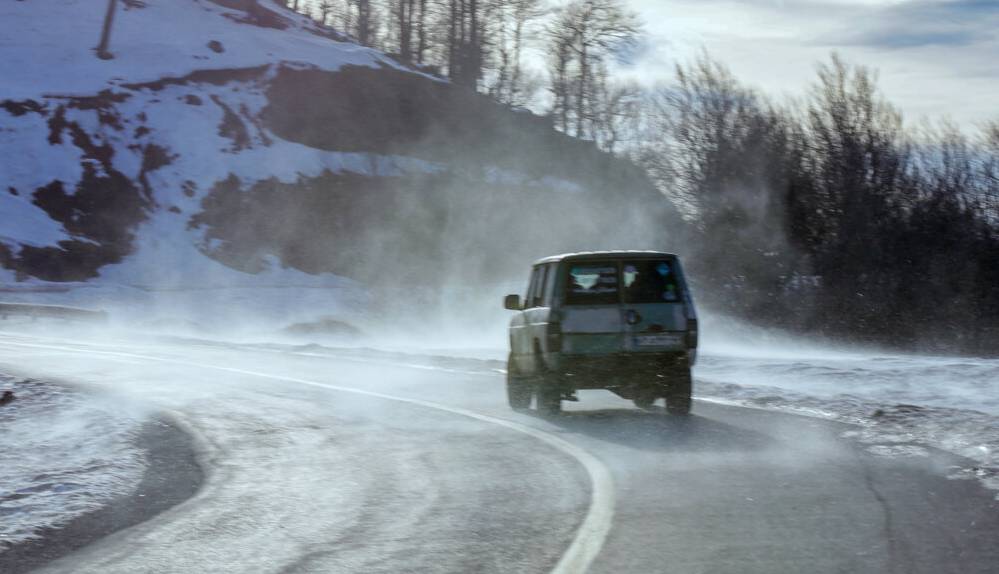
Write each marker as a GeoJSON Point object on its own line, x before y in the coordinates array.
{"type": "Point", "coordinates": [547, 395]}
{"type": "Point", "coordinates": [644, 398]}
{"type": "Point", "coordinates": [548, 398]}
{"type": "Point", "coordinates": [518, 387]}
{"type": "Point", "coordinates": [678, 401]}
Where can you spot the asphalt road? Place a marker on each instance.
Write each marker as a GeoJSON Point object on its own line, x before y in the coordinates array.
{"type": "Point", "coordinates": [316, 463]}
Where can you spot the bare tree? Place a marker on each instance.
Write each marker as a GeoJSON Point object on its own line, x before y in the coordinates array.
{"type": "Point", "coordinates": [989, 170]}
{"type": "Point", "coordinates": [410, 19]}
{"type": "Point", "coordinates": [591, 30]}
{"type": "Point", "coordinates": [525, 12]}
{"type": "Point", "coordinates": [511, 21]}
{"type": "Point", "coordinates": [474, 32]}
{"type": "Point", "coordinates": [102, 48]}
{"type": "Point", "coordinates": [559, 62]}
{"type": "Point", "coordinates": [616, 111]}
{"type": "Point", "coordinates": [696, 128]}
{"type": "Point", "coordinates": [422, 31]}
{"type": "Point", "coordinates": [858, 146]}
{"type": "Point", "coordinates": [991, 133]}
{"type": "Point", "coordinates": [325, 9]}
{"type": "Point", "coordinates": [402, 10]}
{"type": "Point", "coordinates": [499, 87]}
{"type": "Point", "coordinates": [356, 18]}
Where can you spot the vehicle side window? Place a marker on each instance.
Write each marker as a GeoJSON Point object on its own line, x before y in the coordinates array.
{"type": "Point", "coordinates": [651, 281]}
{"type": "Point", "coordinates": [538, 298]}
{"type": "Point", "coordinates": [533, 288]}
{"type": "Point", "coordinates": [550, 285]}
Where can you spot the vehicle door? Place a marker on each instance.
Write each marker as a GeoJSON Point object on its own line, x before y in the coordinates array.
{"type": "Point", "coordinates": [537, 308]}
{"type": "Point", "coordinates": [654, 305]}
{"type": "Point", "coordinates": [520, 341]}
{"type": "Point", "coordinates": [590, 308]}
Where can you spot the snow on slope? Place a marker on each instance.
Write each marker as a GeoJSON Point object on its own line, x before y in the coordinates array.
{"type": "Point", "coordinates": [48, 44]}
{"type": "Point", "coordinates": [23, 222]}
{"type": "Point", "coordinates": [172, 139]}
{"type": "Point", "coordinates": [107, 163]}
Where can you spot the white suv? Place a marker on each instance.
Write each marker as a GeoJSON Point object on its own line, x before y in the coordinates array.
{"type": "Point", "coordinates": [617, 320]}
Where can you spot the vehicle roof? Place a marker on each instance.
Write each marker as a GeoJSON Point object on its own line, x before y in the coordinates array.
{"type": "Point", "coordinates": [604, 255]}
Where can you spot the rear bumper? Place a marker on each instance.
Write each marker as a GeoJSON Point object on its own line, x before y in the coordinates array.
{"type": "Point", "coordinates": [601, 372]}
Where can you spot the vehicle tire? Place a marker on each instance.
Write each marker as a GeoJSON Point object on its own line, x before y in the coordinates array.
{"type": "Point", "coordinates": [678, 401]}
{"type": "Point", "coordinates": [644, 399]}
{"type": "Point", "coordinates": [547, 395]}
{"type": "Point", "coordinates": [548, 398]}
{"type": "Point", "coordinates": [518, 387]}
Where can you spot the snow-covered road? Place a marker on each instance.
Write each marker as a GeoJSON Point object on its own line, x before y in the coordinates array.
{"type": "Point", "coordinates": [320, 462]}
{"type": "Point", "coordinates": [303, 475]}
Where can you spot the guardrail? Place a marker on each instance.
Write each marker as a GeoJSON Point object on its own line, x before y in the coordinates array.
{"type": "Point", "coordinates": [35, 311]}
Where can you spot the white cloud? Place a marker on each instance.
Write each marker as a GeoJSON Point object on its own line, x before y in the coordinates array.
{"type": "Point", "coordinates": [935, 57]}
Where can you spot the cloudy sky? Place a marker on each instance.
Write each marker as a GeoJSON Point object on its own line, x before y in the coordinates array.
{"type": "Point", "coordinates": [936, 58]}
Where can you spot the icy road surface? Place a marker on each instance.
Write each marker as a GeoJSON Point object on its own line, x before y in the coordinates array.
{"type": "Point", "coordinates": [62, 454]}
{"type": "Point", "coordinates": [319, 462]}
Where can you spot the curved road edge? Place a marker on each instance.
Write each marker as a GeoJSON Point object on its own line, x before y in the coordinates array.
{"type": "Point", "coordinates": [591, 533]}
{"type": "Point", "coordinates": [173, 476]}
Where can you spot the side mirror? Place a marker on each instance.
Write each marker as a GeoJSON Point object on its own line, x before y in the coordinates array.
{"type": "Point", "coordinates": [512, 302]}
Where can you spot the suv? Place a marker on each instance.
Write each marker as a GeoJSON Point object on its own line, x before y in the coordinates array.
{"type": "Point", "coordinates": [617, 320]}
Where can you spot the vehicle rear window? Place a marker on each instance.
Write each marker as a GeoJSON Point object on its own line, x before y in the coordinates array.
{"type": "Point", "coordinates": [592, 284]}
{"type": "Point", "coordinates": [650, 281]}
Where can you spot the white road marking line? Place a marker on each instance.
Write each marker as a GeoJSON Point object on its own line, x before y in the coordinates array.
{"type": "Point", "coordinates": [368, 361]}
{"type": "Point", "coordinates": [590, 535]}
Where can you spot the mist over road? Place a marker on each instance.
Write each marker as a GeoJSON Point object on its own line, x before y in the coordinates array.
{"type": "Point", "coordinates": [322, 463]}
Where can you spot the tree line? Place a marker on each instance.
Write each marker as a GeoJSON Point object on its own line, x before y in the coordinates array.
{"type": "Point", "coordinates": [484, 45]}
{"type": "Point", "coordinates": [830, 214]}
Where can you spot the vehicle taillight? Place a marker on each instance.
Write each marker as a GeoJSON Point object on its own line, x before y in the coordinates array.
{"type": "Point", "coordinates": [691, 333]}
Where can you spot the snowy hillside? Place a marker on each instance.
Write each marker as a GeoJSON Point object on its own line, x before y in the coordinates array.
{"type": "Point", "coordinates": [49, 44]}
{"type": "Point", "coordinates": [100, 171]}
{"type": "Point", "coordinates": [78, 131]}
{"type": "Point", "coordinates": [88, 131]}
{"type": "Point", "coordinates": [236, 145]}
